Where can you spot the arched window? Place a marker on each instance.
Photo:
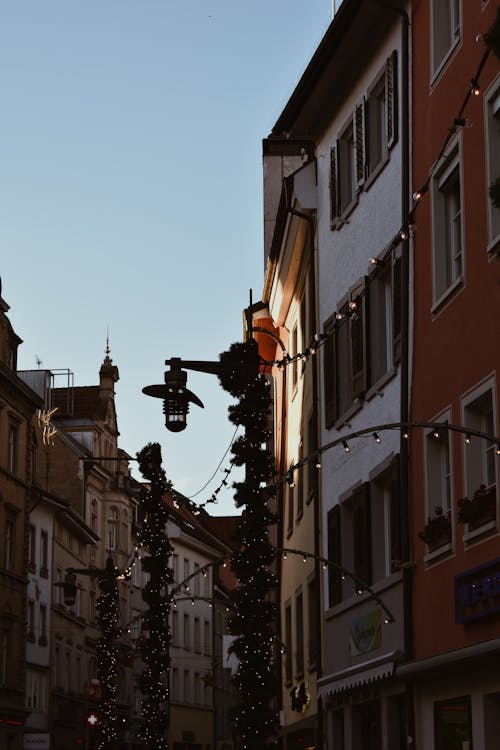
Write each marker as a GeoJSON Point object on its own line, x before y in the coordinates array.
{"type": "Point", "coordinates": [113, 529]}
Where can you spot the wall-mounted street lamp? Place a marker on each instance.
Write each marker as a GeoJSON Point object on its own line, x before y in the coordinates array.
{"type": "Point", "coordinates": [175, 395]}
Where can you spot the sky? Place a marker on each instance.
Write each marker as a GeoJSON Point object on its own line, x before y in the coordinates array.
{"type": "Point", "coordinates": [131, 195]}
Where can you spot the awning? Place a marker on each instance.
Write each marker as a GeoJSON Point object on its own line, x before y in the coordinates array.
{"type": "Point", "coordinates": [361, 674]}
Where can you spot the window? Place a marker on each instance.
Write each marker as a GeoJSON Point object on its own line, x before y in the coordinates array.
{"type": "Point", "coordinates": [290, 494]}
{"type": "Point", "coordinates": [447, 229]}
{"type": "Point", "coordinates": [197, 688]}
{"type": "Point", "coordinates": [357, 531]}
{"type": "Point", "coordinates": [445, 30]}
{"type": "Point", "coordinates": [92, 604]}
{"type": "Point", "coordinates": [36, 690]}
{"type": "Point", "coordinates": [186, 569]}
{"type": "Point", "coordinates": [313, 619]}
{"type": "Point", "coordinates": [176, 568]}
{"type": "Point", "coordinates": [311, 467]}
{"type": "Point", "coordinates": [288, 644]}
{"type": "Point", "coordinates": [32, 547]}
{"type": "Point", "coordinates": [186, 642]}
{"type": "Point", "coordinates": [175, 685]}
{"type": "Point", "coordinates": [175, 628]}
{"type": "Point", "coordinates": [12, 446]}
{"type": "Point", "coordinates": [93, 515]}
{"type": "Point", "coordinates": [384, 317]}
{"type": "Point", "coordinates": [44, 553]}
{"type": "Point", "coordinates": [124, 532]}
{"type": "Point", "coordinates": [10, 539]}
{"type": "Point", "coordinates": [453, 724]}
{"type": "Point", "coordinates": [335, 555]}
{"type": "Point", "coordinates": [300, 481]}
{"type": "Point", "coordinates": [42, 638]}
{"type": "Point", "coordinates": [480, 454]}
{"type": "Point", "coordinates": [196, 580]}
{"type": "Point", "coordinates": [293, 354]}
{"type": "Point", "coordinates": [438, 469]}
{"type": "Point", "coordinates": [208, 642]}
{"type": "Point", "coordinates": [31, 620]}
{"type": "Point", "coordinates": [187, 687]}
{"type": "Point", "coordinates": [385, 520]}
{"type": "Point", "coordinates": [59, 588]}
{"type": "Point", "coordinates": [492, 119]}
{"type": "Point", "coordinates": [345, 358]}
{"type": "Point", "coordinates": [113, 529]}
{"type": "Point", "coordinates": [299, 633]}
{"type": "Point", "coordinates": [197, 635]}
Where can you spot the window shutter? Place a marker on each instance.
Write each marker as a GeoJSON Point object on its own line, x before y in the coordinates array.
{"type": "Point", "coordinates": [396, 309]}
{"type": "Point", "coordinates": [334, 184]}
{"type": "Point", "coordinates": [358, 347]}
{"type": "Point", "coordinates": [335, 555]}
{"type": "Point", "coordinates": [359, 131]}
{"type": "Point", "coordinates": [362, 534]}
{"type": "Point", "coordinates": [396, 531]}
{"type": "Point", "coordinates": [391, 90]}
{"type": "Point", "coordinates": [329, 379]}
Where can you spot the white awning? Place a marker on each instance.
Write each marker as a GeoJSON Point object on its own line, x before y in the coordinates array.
{"type": "Point", "coordinates": [354, 677]}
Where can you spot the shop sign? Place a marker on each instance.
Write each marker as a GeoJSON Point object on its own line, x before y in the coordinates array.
{"type": "Point", "coordinates": [36, 741]}
{"type": "Point", "coordinates": [477, 592]}
{"type": "Point", "coordinates": [365, 633]}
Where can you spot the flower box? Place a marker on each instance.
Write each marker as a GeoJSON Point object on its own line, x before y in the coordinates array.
{"type": "Point", "coordinates": [480, 509]}
{"type": "Point", "coordinates": [437, 531]}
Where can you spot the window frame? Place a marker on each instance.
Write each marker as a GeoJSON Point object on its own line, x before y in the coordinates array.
{"type": "Point", "coordinates": [441, 49]}
{"type": "Point", "coordinates": [447, 173]}
{"type": "Point", "coordinates": [492, 146]}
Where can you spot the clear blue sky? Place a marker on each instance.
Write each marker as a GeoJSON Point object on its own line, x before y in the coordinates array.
{"type": "Point", "coordinates": [131, 192]}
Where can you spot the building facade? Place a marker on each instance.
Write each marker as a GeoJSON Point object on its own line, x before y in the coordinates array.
{"type": "Point", "coordinates": [454, 472]}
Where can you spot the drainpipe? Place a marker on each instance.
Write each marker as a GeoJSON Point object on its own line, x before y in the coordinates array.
{"type": "Point", "coordinates": [310, 219]}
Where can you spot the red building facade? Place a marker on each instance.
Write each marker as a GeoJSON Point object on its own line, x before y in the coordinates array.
{"type": "Point", "coordinates": [455, 377]}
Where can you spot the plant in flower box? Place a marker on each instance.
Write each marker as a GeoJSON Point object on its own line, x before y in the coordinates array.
{"type": "Point", "coordinates": [479, 509]}
{"type": "Point", "coordinates": [437, 531]}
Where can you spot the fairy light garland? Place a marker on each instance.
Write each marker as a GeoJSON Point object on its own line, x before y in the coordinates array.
{"type": "Point", "coordinates": [107, 656]}
{"type": "Point", "coordinates": [155, 641]}
{"type": "Point", "coordinates": [252, 613]}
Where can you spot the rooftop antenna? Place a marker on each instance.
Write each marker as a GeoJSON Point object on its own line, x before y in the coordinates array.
{"type": "Point", "coordinates": [38, 361]}
{"type": "Point", "coordinates": [107, 351]}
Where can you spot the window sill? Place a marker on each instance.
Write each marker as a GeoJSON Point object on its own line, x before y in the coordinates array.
{"type": "Point", "coordinates": [473, 535]}
{"type": "Point", "coordinates": [339, 221]}
{"type": "Point", "coordinates": [376, 171]}
{"type": "Point", "coordinates": [447, 296]}
{"type": "Point", "coordinates": [493, 248]}
{"type": "Point", "coordinates": [376, 388]}
{"type": "Point", "coordinates": [349, 412]}
{"type": "Point", "coordinates": [444, 551]}
{"type": "Point", "coordinates": [436, 75]}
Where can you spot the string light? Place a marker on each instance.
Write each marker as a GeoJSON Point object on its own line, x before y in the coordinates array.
{"type": "Point", "coordinates": [346, 446]}
{"type": "Point", "coordinates": [377, 437]}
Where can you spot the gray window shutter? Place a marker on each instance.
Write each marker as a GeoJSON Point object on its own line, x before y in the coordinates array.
{"type": "Point", "coordinates": [329, 379]}
{"type": "Point", "coordinates": [334, 185]}
{"type": "Point", "coordinates": [359, 346]}
{"type": "Point", "coordinates": [391, 92]}
{"type": "Point", "coordinates": [359, 131]}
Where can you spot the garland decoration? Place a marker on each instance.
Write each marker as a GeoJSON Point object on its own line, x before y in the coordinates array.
{"type": "Point", "coordinates": [155, 640]}
{"type": "Point", "coordinates": [107, 655]}
{"type": "Point", "coordinates": [253, 610]}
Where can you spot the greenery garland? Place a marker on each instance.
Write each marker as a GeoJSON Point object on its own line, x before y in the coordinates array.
{"type": "Point", "coordinates": [155, 642]}
{"type": "Point", "coordinates": [253, 613]}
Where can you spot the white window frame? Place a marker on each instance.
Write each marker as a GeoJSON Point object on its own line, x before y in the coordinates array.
{"type": "Point", "coordinates": [438, 453]}
{"type": "Point", "coordinates": [472, 397]}
{"type": "Point", "coordinates": [446, 32]}
{"type": "Point", "coordinates": [445, 261]}
{"type": "Point", "coordinates": [492, 141]}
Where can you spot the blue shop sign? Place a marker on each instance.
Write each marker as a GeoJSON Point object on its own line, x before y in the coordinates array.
{"type": "Point", "coordinates": [477, 592]}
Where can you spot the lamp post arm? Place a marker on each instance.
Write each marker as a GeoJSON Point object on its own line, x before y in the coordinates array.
{"type": "Point", "coordinates": [211, 367]}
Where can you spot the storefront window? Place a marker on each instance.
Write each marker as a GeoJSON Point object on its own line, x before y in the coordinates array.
{"type": "Point", "coordinates": [452, 724]}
